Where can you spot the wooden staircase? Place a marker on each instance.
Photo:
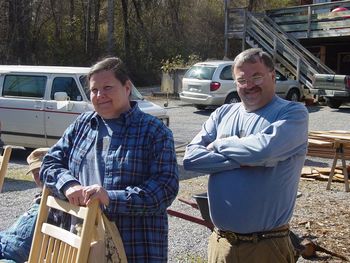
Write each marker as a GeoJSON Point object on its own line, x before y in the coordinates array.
{"type": "Point", "coordinates": [277, 32]}
{"type": "Point", "coordinates": [291, 58]}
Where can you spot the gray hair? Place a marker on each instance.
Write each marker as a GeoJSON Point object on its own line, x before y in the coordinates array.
{"type": "Point", "coordinates": [254, 55]}
{"type": "Point", "coordinates": [113, 64]}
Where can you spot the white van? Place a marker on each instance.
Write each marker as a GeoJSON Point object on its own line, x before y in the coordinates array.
{"type": "Point", "coordinates": [37, 103]}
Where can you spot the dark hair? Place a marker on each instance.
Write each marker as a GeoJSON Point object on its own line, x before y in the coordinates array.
{"type": "Point", "coordinates": [253, 55]}
{"type": "Point", "coordinates": [114, 64]}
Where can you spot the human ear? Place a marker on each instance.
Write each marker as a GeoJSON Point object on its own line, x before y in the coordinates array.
{"type": "Point", "coordinates": [128, 87]}
{"type": "Point", "coordinates": [273, 75]}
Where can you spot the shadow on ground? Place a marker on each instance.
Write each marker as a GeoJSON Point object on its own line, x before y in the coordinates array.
{"type": "Point", "coordinates": [204, 112]}
{"type": "Point", "coordinates": [316, 163]}
{"type": "Point", "coordinates": [11, 185]}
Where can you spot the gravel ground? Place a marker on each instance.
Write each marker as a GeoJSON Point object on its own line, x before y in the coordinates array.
{"type": "Point", "coordinates": [320, 215]}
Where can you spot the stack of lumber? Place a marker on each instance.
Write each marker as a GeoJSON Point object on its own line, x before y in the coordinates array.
{"type": "Point", "coordinates": [323, 143]}
{"type": "Point", "coordinates": [322, 173]}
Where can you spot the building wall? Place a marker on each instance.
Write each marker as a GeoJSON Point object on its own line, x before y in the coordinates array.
{"type": "Point", "coordinates": [336, 55]}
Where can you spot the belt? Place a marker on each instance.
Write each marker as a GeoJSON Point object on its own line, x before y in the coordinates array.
{"type": "Point", "coordinates": [235, 238]}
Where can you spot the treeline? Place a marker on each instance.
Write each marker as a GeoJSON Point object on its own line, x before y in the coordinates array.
{"type": "Point", "coordinates": [142, 32]}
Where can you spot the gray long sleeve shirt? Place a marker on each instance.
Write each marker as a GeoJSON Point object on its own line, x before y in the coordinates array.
{"type": "Point", "coordinates": [254, 164]}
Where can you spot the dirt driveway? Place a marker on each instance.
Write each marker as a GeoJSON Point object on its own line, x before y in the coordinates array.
{"type": "Point", "coordinates": [319, 214]}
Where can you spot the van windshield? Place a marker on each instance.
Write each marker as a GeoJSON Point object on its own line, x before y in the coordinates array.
{"type": "Point", "coordinates": [135, 94]}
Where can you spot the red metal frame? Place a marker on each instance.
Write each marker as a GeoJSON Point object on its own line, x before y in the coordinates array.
{"type": "Point", "coordinates": [190, 218]}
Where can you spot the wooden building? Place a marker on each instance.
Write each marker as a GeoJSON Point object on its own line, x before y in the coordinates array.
{"type": "Point", "coordinates": [304, 40]}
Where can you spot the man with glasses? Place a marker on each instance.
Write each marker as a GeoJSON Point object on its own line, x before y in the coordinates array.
{"type": "Point", "coordinates": [254, 152]}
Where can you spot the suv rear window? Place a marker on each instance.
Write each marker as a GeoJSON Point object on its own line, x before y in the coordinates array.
{"type": "Point", "coordinates": [24, 86]}
{"type": "Point", "coordinates": [200, 72]}
{"type": "Point", "coordinates": [226, 73]}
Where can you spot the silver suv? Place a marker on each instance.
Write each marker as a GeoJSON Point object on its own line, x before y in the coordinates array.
{"type": "Point", "coordinates": [211, 84]}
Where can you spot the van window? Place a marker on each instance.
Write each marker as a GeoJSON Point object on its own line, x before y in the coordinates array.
{"type": "Point", "coordinates": [24, 86]}
{"type": "Point", "coordinates": [226, 73]}
{"type": "Point", "coordinates": [68, 85]}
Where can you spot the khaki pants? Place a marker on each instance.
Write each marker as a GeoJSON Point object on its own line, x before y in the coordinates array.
{"type": "Point", "coordinates": [273, 250]}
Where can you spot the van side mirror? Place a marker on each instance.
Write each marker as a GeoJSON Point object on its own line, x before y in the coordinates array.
{"type": "Point", "coordinates": [63, 100]}
{"type": "Point", "coordinates": [61, 96]}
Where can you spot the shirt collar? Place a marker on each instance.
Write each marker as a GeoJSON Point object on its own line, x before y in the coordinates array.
{"type": "Point", "coordinates": [126, 117]}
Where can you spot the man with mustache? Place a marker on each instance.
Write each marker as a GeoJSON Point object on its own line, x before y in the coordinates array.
{"type": "Point", "coordinates": [254, 152]}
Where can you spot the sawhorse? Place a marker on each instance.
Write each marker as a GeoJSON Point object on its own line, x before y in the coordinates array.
{"type": "Point", "coordinates": [339, 153]}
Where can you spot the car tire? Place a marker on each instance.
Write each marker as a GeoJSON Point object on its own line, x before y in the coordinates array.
{"type": "Point", "coordinates": [232, 98]}
{"type": "Point", "coordinates": [293, 95]}
{"type": "Point", "coordinates": [200, 107]}
{"type": "Point", "coordinates": [333, 103]}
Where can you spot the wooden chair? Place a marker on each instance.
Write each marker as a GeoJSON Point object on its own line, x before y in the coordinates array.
{"type": "Point", "coordinates": [54, 244]}
{"type": "Point", "coordinates": [4, 161]}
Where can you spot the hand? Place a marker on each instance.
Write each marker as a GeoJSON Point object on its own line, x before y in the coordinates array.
{"type": "Point", "coordinates": [93, 192]}
{"type": "Point", "coordinates": [75, 195]}
{"type": "Point", "coordinates": [210, 146]}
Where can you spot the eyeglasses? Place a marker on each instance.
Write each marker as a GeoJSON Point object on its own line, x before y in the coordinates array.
{"type": "Point", "coordinates": [256, 80]}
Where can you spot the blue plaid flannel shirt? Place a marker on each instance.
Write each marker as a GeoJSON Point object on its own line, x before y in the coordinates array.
{"type": "Point", "coordinates": [141, 178]}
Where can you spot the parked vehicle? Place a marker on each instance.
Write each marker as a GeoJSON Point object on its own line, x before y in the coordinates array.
{"type": "Point", "coordinates": [334, 88]}
{"type": "Point", "coordinates": [210, 83]}
{"type": "Point", "coordinates": [37, 103]}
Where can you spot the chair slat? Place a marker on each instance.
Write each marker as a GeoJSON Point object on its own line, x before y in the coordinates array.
{"type": "Point", "coordinates": [56, 250]}
{"type": "Point", "coordinates": [49, 249]}
{"type": "Point", "coordinates": [61, 234]}
{"type": "Point", "coordinates": [42, 254]}
{"type": "Point", "coordinates": [77, 211]}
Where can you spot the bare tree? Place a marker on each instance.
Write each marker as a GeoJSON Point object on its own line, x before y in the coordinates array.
{"type": "Point", "coordinates": [126, 28]}
{"type": "Point", "coordinates": [19, 28]}
{"type": "Point", "coordinates": [96, 32]}
{"type": "Point", "coordinates": [57, 17]}
{"type": "Point", "coordinates": [87, 27]}
{"type": "Point", "coordinates": [110, 21]}
{"type": "Point", "coordinates": [71, 17]}
{"type": "Point", "coordinates": [4, 26]}
{"type": "Point", "coordinates": [174, 11]}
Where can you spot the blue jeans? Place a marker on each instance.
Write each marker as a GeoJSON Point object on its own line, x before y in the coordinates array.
{"type": "Point", "coordinates": [15, 242]}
